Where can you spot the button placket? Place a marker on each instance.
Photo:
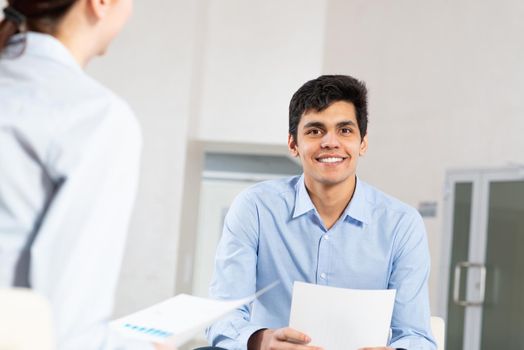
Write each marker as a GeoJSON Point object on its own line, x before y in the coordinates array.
{"type": "Point", "coordinates": [323, 259]}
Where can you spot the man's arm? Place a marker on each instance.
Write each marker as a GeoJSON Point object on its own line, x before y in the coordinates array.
{"type": "Point", "coordinates": [235, 273]}
{"type": "Point", "coordinates": [410, 324]}
{"type": "Point", "coordinates": [236, 276]}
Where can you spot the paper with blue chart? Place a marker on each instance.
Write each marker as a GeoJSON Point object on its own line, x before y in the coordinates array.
{"type": "Point", "coordinates": [178, 319]}
{"type": "Point", "coordinates": [342, 319]}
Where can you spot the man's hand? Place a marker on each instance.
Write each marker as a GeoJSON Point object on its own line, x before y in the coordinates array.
{"type": "Point", "coordinates": [280, 339]}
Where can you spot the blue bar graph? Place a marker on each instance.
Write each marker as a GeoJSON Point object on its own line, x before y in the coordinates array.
{"type": "Point", "coordinates": [151, 331]}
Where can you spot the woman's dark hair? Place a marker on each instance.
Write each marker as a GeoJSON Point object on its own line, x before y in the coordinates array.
{"type": "Point", "coordinates": [318, 94]}
{"type": "Point", "coordinates": [35, 15]}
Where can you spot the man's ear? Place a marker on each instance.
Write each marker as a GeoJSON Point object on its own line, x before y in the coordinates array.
{"type": "Point", "coordinates": [292, 145]}
{"type": "Point", "coordinates": [363, 146]}
{"type": "Point", "coordinates": [99, 8]}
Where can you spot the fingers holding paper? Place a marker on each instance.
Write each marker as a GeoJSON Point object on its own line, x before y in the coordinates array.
{"type": "Point", "coordinates": [280, 339]}
{"type": "Point", "coordinates": [291, 335]}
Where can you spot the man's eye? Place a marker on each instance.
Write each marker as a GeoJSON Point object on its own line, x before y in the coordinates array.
{"type": "Point", "coordinates": [313, 132]}
{"type": "Point", "coordinates": [346, 131]}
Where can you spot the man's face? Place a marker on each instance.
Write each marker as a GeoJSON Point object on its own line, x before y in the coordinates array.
{"type": "Point", "coordinates": [329, 144]}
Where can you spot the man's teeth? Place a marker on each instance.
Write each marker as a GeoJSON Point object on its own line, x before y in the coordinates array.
{"type": "Point", "coordinates": [330, 160]}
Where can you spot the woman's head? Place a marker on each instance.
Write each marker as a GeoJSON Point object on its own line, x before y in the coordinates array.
{"type": "Point", "coordinates": [85, 26]}
{"type": "Point", "coordinates": [35, 15]}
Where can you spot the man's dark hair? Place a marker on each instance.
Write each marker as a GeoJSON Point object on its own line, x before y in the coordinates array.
{"type": "Point", "coordinates": [318, 94]}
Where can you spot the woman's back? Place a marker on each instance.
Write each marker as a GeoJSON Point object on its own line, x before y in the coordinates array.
{"type": "Point", "coordinates": [69, 164]}
{"type": "Point", "coordinates": [48, 105]}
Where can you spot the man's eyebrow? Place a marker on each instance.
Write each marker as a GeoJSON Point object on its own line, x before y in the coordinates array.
{"type": "Point", "coordinates": [320, 125]}
{"type": "Point", "coordinates": [314, 124]}
{"type": "Point", "coordinates": [346, 123]}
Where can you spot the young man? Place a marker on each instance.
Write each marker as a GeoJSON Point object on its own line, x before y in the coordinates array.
{"type": "Point", "coordinates": [326, 227]}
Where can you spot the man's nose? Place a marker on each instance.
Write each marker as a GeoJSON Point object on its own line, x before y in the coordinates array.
{"type": "Point", "coordinates": [330, 140]}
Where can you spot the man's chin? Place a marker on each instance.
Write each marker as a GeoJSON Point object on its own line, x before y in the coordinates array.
{"type": "Point", "coordinates": [334, 181]}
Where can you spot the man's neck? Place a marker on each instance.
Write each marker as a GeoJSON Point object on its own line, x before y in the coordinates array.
{"type": "Point", "coordinates": [331, 200]}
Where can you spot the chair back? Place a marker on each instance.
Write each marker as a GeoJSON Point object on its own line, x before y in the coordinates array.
{"type": "Point", "coordinates": [25, 321]}
{"type": "Point", "coordinates": [438, 329]}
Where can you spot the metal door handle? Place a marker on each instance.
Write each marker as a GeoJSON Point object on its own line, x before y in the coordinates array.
{"type": "Point", "coordinates": [456, 286]}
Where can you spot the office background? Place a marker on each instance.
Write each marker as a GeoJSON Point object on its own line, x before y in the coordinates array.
{"type": "Point", "coordinates": [446, 80]}
{"type": "Point", "coordinates": [445, 77]}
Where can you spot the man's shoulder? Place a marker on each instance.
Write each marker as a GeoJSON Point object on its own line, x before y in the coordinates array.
{"type": "Point", "coordinates": [274, 187]}
{"type": "Point", "coordinates": [270, 191]}
{"type": "Point", "coordinates": [386, 203]}
{"type": "Point", "coordinates": [271, 196]}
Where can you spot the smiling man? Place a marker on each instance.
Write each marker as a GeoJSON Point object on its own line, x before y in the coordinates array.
{"type": "Point", "coordinates": [326, 227]}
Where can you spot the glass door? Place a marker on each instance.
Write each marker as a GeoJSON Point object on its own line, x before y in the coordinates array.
{"type": "Point", "coordinates": [485, 276]}
{"type": "Point", "coordinates": [503, 307]}
{"type": "Point", "coordinates": [464, 268]}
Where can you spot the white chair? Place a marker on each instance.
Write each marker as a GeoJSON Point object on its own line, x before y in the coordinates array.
{"type": "Point", "coordinates": [438, 329]}
{"type": "Point", "coordinates": [25, 321]}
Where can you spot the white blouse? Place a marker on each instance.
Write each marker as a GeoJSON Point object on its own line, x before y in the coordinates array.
{"type": "Point", "coordinates": [69, 164]}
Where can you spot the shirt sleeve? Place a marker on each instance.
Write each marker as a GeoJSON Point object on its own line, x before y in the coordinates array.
{"type": "Point", "coordinates": [77, 253]}
{"type": "Point", "coordinates": [410, 325]}
{"type": "Point", "coordinates": [235, 273]}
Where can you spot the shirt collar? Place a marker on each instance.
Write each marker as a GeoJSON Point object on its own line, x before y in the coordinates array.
{"type": "Point", "coordinates": [44, 45]}
{"type": "Point", "coordinates": [303, 203]}
{"type": "Point", "coordinates": [358, 208]}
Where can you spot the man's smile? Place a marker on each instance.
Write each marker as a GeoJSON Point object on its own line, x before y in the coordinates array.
{"type": "Point", "coordinates": [331, 159]}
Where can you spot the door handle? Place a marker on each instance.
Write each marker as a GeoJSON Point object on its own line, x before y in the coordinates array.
{"type": "Point", "coordinates": [456, 286]}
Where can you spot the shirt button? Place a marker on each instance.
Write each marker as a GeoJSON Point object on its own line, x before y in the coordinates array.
{"type": "Point", "coordinates": [323, 275]}
{"type": "Point", "coordinates": [326, 237]}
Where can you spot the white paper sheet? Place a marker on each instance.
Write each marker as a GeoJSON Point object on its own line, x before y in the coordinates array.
{"type": "Point", "coordinates": [342, 319]}
{"type": "Point", "coordinates": [178, 319]}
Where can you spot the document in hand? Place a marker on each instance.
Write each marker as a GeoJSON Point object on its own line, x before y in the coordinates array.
{"type": "Point", "coordinates": [342, 319]}
{"type": "Point", "coordinates": [178, 319]}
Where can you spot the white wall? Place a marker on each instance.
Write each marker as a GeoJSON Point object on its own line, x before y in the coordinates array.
{"type": "Point", "coordinates": [151, 65]}
{"type": "Point", "coordinates": [446, 81]}
{"type": "Point", "coordinates": [256, 54]}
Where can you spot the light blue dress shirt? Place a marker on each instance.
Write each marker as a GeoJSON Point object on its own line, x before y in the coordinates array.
{"type": "Point", "coordinates": [273, 232]}
{"type": "Point", "coordinates": [69, 165]}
